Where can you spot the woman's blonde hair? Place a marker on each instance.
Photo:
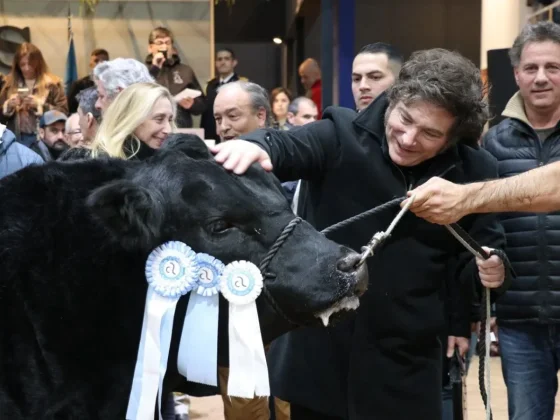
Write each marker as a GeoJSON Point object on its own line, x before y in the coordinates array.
{"type": "Point", "coordinates": [128, 111]}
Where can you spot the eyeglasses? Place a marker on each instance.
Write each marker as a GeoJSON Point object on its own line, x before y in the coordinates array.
{"type": "Point", "coordinates": [72, 133]}
{"type": "Point", "coordinates": [161, 43]}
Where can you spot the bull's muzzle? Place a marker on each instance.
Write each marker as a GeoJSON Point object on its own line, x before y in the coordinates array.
{"type": "Point", "coordinates": [349, 264]}
{"type": "Point", "coordinates": [356, 287]}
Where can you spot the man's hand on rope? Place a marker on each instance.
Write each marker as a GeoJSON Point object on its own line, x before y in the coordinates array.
{"type": "Point", "coordinates": [238, 155]}
{"type": "Point", "coordinates": [492, 271]}
{"type": "Point", "coordinates": [461, 343]}
{"type": "Point", "coordinates": [439, 201]}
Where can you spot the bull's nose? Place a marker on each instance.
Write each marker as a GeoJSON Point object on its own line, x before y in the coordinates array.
{"type": "Point", "coordinates": [349, 262]}
{"type": "Point", "coordinates": [348, 265]}
{"type": "Point", "coordinates": [362, 280]}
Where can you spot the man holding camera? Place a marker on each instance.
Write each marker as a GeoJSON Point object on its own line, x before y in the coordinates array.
{"type": "Point", "coordinates": [166, 67]}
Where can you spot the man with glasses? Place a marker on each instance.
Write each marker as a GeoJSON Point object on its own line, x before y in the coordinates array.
{"type": "Point", "coordinates": [166, 68]}
{"type": "Point", "coordinates": [72, 130]}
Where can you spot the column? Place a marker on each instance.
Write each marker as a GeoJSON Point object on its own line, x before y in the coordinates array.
{"type": "Point", "coordinates": [346, 14]}
{"type": "Point", "coordinates": [327, 61]}
{"type": "Point", "coordinates": [501, 22]}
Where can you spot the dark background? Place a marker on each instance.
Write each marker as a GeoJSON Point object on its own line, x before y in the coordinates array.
{"type": "Point", "coordinates": [250, 25]}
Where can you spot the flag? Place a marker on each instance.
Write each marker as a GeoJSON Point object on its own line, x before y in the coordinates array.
{"type": "Point", "coordinates": [71, 66]}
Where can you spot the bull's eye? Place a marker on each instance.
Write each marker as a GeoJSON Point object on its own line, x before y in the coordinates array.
{"type": "Point", "coordinates": [219, 226]}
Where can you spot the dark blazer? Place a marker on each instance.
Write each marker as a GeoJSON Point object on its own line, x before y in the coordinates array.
{"type": "Point", "coordinates": [207, 120]}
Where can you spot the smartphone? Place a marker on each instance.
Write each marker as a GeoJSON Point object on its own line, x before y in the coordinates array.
{"type": "Point", "coordinates": [23, 91]}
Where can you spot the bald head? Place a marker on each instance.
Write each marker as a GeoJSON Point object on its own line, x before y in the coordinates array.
{"type": "Point", "coordinates": [309, 73]}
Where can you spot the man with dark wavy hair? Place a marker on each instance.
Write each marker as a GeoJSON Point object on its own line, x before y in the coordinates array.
{"type": "Point", "coordinates": [385, 363]}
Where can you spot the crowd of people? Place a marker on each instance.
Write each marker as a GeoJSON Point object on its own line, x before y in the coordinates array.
{"type": "Point", "coordinates": [418, 128]}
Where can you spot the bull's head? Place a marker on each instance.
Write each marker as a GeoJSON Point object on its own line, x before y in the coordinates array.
{"type": "Point", "coordinates": [182, 194]}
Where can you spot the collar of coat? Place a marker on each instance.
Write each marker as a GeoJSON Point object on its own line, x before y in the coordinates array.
{"type": "Point", "coordinates": [515, 110]}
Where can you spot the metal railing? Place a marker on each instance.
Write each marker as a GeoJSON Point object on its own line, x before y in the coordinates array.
{"type": "Point", "coordinates": [545, 13]}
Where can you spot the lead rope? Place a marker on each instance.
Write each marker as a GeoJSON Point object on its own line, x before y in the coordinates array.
{"type": "Point", "coordinates": [486, 361]}
{"type": "Point", "coordinates": [263, 267]}
{"type": "Point", "coordinates": [469, 243]}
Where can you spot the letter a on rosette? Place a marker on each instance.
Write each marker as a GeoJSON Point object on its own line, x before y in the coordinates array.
{"type": "Point", "coordinates": [171, 273]}
{"type": "Point", "coordinates": [241, 283]}
{"type": "Point", "coordinates": [198, 350]}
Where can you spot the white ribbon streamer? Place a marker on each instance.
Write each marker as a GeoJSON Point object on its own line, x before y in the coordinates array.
{"type": "Point", "coordinates": [198, 350]}
{"type": "Point", "coordinates": [241, 283]}
{"type": "Point", "coordinates": [248, 371]}
{"type": "Point", "coordinates": [170, 272]}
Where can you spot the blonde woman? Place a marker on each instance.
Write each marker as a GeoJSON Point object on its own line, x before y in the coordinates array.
{"type": "Point", "coordinates": [136, 123]}
{"type": "Point", "coordinates": [29, 91]}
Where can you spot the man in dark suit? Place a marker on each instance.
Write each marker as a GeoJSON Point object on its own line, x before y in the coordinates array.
{"type": "Point", "coordinates": [97, 56]}
{"type": "Point", "coordinates": [225, 69]}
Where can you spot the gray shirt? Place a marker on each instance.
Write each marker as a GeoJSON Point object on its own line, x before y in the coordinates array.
{"type": "Point", "coordinates": [543, 133]}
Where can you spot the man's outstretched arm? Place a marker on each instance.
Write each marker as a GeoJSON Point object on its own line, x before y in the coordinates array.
{"type": "Point", "coordinates": [442, 202]}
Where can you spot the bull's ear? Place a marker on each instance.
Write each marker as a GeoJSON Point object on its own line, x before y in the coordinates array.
{"type": "Point", "coordinates": [189, 144]}
{"type": "Point", "coordinates": [133, 215]}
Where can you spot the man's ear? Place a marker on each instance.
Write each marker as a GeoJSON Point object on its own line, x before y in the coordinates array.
{"type": "Point", "coordinates": [90, 119]}
{"type": "Point", "coordinates": [262, 117]}
{"type": "Point", "coordinates": [290, 117]}
{"type": "Point", "coordinates": [516, 75]}
{"type": "Point", "coordinates": [133, 215]}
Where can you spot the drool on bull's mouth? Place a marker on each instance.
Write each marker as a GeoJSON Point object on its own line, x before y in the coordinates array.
{"type": "Point", "coordinates": [351, 300]}
{"type": "Point", "coordinates": [345, 304]}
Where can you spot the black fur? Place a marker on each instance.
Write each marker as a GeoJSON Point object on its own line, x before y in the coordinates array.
{"type": "Point", "coordinates": [132, 214]}
{"type": "Point", "coordinates": [74, 238]}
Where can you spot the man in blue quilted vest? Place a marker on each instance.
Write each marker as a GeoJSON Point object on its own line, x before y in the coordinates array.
{"type": "Point", "coordinates": [528, 315]}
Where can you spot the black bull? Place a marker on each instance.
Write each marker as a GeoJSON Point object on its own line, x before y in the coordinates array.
{"type": "Point", "coordinates": [74, 238]}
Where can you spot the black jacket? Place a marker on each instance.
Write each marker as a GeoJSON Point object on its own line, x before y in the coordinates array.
{"type": "Point", "coordinates": [533, 240]}
{"type": "Point", "coordinates": [176, 77]}
{"type": "Point", "coordinates": [207, 120]}
{"type": "Point", "coordinates": [76, 87]}
{"type": "Point", "coordinates": [385, 364]}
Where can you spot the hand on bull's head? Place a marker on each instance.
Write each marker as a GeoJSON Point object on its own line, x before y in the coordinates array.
{"type": "Point", "coordinates": [239, 155]}
{"type": "Point", "coordinates": [183, 194]}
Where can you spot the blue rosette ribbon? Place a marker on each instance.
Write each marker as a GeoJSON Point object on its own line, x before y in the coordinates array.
{"type": "Point", "coordinates": [171, 273]}
{"type": "Point", "coordinates": [241, 283]}
{"type": "Point", "coordinates": [198, 349]}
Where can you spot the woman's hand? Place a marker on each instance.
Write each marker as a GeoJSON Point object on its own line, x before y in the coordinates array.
{"type": "Point", "coordinates": [14, 101]}
{"type": "Point", "coordinates": [31, 102]}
